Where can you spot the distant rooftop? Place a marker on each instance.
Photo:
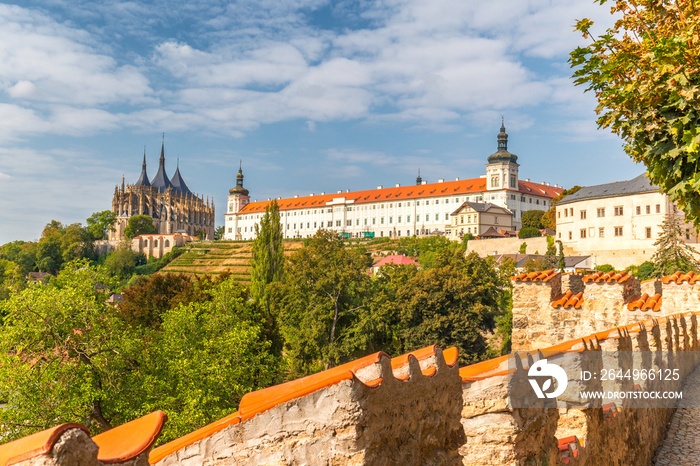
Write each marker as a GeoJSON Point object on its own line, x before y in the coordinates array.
{"type": "Point", "coordinates": [640, 184]}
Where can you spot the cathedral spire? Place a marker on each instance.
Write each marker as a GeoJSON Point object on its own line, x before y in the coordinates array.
{"type": "Point", "coordinates": [502, 154]}
{"type": "Point", "coordinates": [239, 189]}
{"type": "Point", "coordinates": [161, 181]}
{"type": "Point", "coordinates": [419, 180]}
{"type": "Point", "coordinates": [143, 179]}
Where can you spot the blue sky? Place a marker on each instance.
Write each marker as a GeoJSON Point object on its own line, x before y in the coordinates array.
{"type": "Point", "coordinates": [311, 95]}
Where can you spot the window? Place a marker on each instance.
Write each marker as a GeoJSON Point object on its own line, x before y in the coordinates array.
{"type": "Point", "coordinates": [658, 208]}
{"type": "Point", "coordinates": [618, 211]}
{"type": "Point", "coordinates": [583, 215]}
{"type": "Point", "coordinates": [374, 221]}
{"type": "Point", "coordinates": [495, 220]}
{"type": "Point", "coordinates": [337, 223]}
{"type": "Point", "coordinates": [566, 212]}
{"type": "Point", "coordinates": [601, 211]}
{"type": "Point", "coordinates": [447, 216]}
{"type": "Point", "coordinates": [408, 220]}
{"type": "Point", "coordinates": [427, 217]}
{"type": "Point", "coordinates": [391, 220]}
{"type": "Point", "coordinates": [512, 197]}
{"type": "Point", "coordinates": [639, 210]}
{"type": "Point", "coordinates": [648, 232]}
{"type": "Point", "coordinates": [601, 232]}
{"type": "Point", "coordinates": [357, 222]}
{"type": "Point", "coordinates": [381, 220]}
{"type": "Point", "coordinates": [348, 223]}
{"type": "Point", "coordinates": [494, 181]}
{"type": "Point", "coordinates": [399, 206]}
{"type": "Point", "coordinates": [399, 219]}
{"type": "Point", "coordinates": [648, 209]}
{"type": "Point", "coordinates": [583, 233]}
{"type": "Point", "coordinates": [461, 219]}
{"type": "Point", "coordinates": [618, 231]}
{"type": "Point", "coordinates": [437, 217]}
{"type": "Point", "coordinates": [571, 236]}
{"type": "Point", "coordinates": [512, 182]}
{"type": "Point", "coordinates": [571, 211]}
{"type": "Point", "coordinates": [687, 234]}
{"type": "Point", "coordinates": [537, 201]}
{"type": "Point", "coordinates": [558, 214]}
{"type": "Point", "coordinates": [229, 230]}
{"type": "Point", "coordinates": [417, 202]}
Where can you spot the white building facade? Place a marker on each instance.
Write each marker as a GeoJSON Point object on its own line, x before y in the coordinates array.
{"type": "Point", "coordinates": [414, 210]}
{"type": "Point", "coordinates": [618, 223]}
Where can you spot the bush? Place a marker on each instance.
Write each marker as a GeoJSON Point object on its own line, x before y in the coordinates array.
{"type": "Point", "coordinates": [529, 232]}
{"type": "Point", "coordinates": [605, 268]}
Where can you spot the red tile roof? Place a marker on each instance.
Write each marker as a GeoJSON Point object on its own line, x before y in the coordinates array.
{"type": "Point", "coordinates": [540, 276]}
{"type": "Point", "coordinates": [645, 303]}
{"type": "Point", "coordinates": [680, 277]}
{"type": "Point", "coordinates": [447, 188]}
{"type": "Point", "coordinates": [611, 277]}
{"type": "Point", "coordinates": [397, 260]}
{"type": "Point", "coordinates": [568, 300]}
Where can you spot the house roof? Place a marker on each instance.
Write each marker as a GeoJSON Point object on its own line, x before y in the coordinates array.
{"type": "Point", "coordinates": [447, 188]}
{"type": "Point", "coordinates": [480, 207]}
{"type": "Point", "coordinates": [397, 260]}
{"type": "Point", "coordinates": [491, 233]}
{"type": "Point", "coordinates": [640, 184]}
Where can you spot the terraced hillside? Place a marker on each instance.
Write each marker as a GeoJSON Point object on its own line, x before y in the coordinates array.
{"type": "Point", "coordinates": [214, 258]}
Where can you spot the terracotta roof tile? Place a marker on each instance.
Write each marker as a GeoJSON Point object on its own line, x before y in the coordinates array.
{"type": "Point", "coordinates": [207, 431]}
{"type": "Point", "coordinates": [541, 276]}
{"type": "Point", "coordinates": [680, 277]}
{"type": "Point", "coordinates": [611, 277]}
{"type": "Point", "coordinates": [645, 303]}
{"type": "Point", "coordinates": [34, 445]}
{"type": "Point", "coordinates": [610, 411]}
{"type": "Point", "coordinates": [126, 442]}
{"type": "Point", "coordinates": [475, 185]}
{"type": "Point", "coordinates": [568, 300]}
{"type": "Point", "coordinates": [569, 448]}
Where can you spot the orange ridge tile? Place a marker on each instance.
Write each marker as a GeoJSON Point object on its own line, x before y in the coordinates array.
{"type": "Point", "coordinates": [169, 448]}
{"type": "Point", "coordinates": [40, 443]}
{"type": "Point", "coordinates": [562, 299]}
{"type": "Point", "coordinates": [637, 302]}
{"type": "Point", "coordinates": [127, 441]}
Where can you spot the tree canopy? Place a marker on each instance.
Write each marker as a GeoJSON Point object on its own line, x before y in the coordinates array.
{"type": "Point", "coordinates": [532, 219]}
{"type": "Point", "coordinates": [672, 254]}
{"type": "Point", "coordinates": [267, 261]}
{"type": "Point", "coordinates": [645, 73]}
{"type": "Point", "coordinates": [139, 225]}
{"type": "Point", "coordinates": [99, 224]}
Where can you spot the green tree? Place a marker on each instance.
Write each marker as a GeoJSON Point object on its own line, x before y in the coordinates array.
{"type": "Point", "coordinates": [121, 263]}
{"type": "Point", "coordinates": [267, 251]}
{"type": "Point", "coordinates": [605, 268]}
{"type": "Point", "coordinates": [529, 232]}
{"type": "Point", "coordinates": [561, 261]}
{"type": "Point", "coordinates": [67, 356]}
{"type": "Point", "coordinates": [77, 243]}
{"type": "Point", "coordinates": [320, 303]}
{"type": "Point", "coordinates": [672, 253]}
{"type": "Point", "coordinates": [139, 225]}
{"type": "Point", "coordinates": [58, 354]}
{"type": "Point", "coordinates": [219, 232]}
{"type": "Point", "coordinates": [451, 304]}
{"type": "Point", "coordinates": [99, 224]}
{"type": "Point", "coordinates": [523, 248]}
{"type": "Point", "coordinates": [532, 219]}
{"type": "Point", "coordinates": [645, 73]}
{"type": "Point", "coordinates": [206, 356]}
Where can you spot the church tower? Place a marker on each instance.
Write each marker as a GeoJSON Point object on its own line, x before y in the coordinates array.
{"type": "Point", "coordinates": [502, 166]}
{"type": "Point", "coordinates": [237, 199]}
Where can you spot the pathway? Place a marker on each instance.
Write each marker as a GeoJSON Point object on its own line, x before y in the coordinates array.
{"type": "Point", "coordinates": [682, 443]}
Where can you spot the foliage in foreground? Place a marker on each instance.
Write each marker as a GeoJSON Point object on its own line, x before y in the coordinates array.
{"type": "Point", "coordinates": [645, 73]}
{"type": "Point", "coordinates": [66, 356]}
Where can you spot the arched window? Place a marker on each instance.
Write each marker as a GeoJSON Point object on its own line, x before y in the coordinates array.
{"type": "Point", "coordinates": [167, 243]}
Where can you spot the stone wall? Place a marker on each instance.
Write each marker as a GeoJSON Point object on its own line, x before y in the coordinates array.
{"type": "Point", "coordinates": [487, 247]}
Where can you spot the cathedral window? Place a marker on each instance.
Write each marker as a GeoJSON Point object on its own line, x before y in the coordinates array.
{"type": "Point", "coordinates": [494, 181]}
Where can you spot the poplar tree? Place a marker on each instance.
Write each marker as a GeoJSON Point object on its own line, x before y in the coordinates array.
{"type": "Point", "coordinates": [267, 264]}
{"type": "Point", "coordinates": [672, 253]}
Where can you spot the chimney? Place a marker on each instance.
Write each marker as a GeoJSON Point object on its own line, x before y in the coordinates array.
{"type": "Point", "coordinates": [424, 182]}
{"type": "Point", "coordinates": [457, 179]}
{"type": "Point", "coordinates": [296, 196]}
{"type": "Point", "coordinates": [323, 193]}
{"type": "Point", "coordinates": [339, 191]}
{"type": "Point", "coordinates": [398, 185]}
{"type": "Point", "coordinates": [311, 194]}
{"type": "Point", "coordinates": [527, 179]}
{"type": "Point", "coordinates": [441, 180]}
{"type": "Point", "coordinates": [379, 187]}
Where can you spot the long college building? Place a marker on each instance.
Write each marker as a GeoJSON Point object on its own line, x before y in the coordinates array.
{"type": "Point", "coordinates": [414, 210]}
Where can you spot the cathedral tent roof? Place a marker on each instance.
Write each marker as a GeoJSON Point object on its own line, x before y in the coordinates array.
{"type": "Point", "coordinates": [143, 179]}
{"type": "Point", "coordinates": [161, 181]}
{"type": "Point", "coordinates": [179, 184]}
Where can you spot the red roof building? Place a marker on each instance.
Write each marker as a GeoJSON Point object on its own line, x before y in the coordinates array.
{"type": "Point", "coordinates": [414, 210]}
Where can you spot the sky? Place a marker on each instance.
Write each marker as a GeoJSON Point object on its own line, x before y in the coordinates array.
{"type": "Point", "coordinates": [308, 95]}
